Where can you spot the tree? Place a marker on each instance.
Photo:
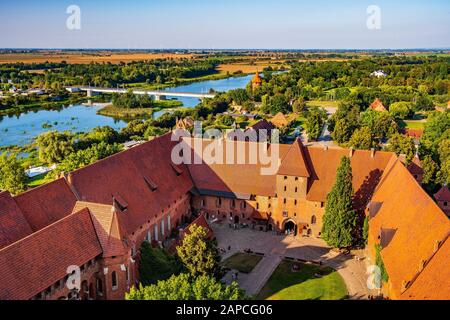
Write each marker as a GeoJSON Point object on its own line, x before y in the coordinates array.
{"type": "Point", "coordinates": [380, 264]}
{"type": "Point", "coordinates": [156, 264]}
{"type": "Point", "coordinates": [12, 176]}
{"type": "Point", "coordinates": [185, 287]}
{"type": "Point", "coordinates": [424, 102]}
{"type": "Point", "coordinates": [339, 220]}
{"type": "Point", "coordinates": [400, 110]}
{"type": "Point", "coordinates": [239, 96]}
{"type": "Point", "coordinates": [430, 169]}
{"type": "Point", "coordinates": [402, 144]}
{"type": "Point", "coordinates": [365, 231]}
{"type": "Point", "coordinates": [315, 122]}
{"type": "Point", "coordinates": [198, 254]}
{"type": "Point", "coordinates": [276, 104]}
{"type": "Point", "coordinates": [87, 156]}
{"type": "Point", "coordinates": [299, 105]}
{"type": "Point", "coordinates": [343, 131]}
{"type": "Point", "coordinates": [54, 146]}
{"type": "Point", "coordinates": [361, 139]}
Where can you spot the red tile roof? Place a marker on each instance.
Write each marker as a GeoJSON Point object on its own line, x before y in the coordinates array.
{"type": "Point", "coordinates": [13, 225]}
{"type": "Point", "coordinates": [46, 204]}
{"type": "Point", "coordinates": [202, 222]}
{"type": "Point", "coordinates": [39, 260]}
{"type": "Point", "coordinates": [107, 223]}
{"type": "Point", "coordinates": [246, 179]}
{"type": "Point", "coordinates": [433, 283]}
{"type": "Point", "coordinates": [126, 174]}
{"type": "Point", "coordinates": [263, 124]}
{"type": "Point", "coordinates": [377, 105]}
{"type": "Point", "coordinates": [443, 194]}
{"type": "Point", "coordinates": [367, 171]}
{"type": "Point", "coordinates": [280, 120]}
{"type": "Point", "coordinates": [293, 163]}
{"type": "Point", "coordinates": [419, 225]}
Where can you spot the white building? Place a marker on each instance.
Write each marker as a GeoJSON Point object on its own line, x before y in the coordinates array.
{"type": "Point", "coordinates": [378, 74]}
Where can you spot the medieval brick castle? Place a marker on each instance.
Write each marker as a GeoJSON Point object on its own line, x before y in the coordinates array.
{"type": "Point", "coordinates": [95, 218]}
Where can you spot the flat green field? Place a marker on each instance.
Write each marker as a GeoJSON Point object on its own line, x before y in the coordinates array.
{"type": "Point", "coordinates": [131, 113]}
{"type": "Point", "coordinates": [323, 104]}
{"type": "Point", "coordinates": [242, 262]}
{"type": "Point", "coordinates": [310, 282]}
{"type": "Point", "coordinates": [411, 124]}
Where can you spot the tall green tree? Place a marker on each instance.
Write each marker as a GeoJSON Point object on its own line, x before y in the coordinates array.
{"type": "Point", "coordinates": [157, 264]}
{"type": "Point", "coordinates": [54, 146]}
{"type": "Point", "coordinates": [361, 139]}
{"type": "Point", "coordinates": [12, 176]}
{"type": "Point", "coordinates": [401, 144]}
{"type": "Point", "coordinates": [314, 122]}
{"type": "Point", "coordinates": [185, 287]}
{"type": "Point", "coordinates": [339, 220]}
{"type": "Point", "coordinates": [198, 254]}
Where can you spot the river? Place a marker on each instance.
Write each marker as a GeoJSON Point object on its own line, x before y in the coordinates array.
{"type": "Point", "coordinates": [22, 129]}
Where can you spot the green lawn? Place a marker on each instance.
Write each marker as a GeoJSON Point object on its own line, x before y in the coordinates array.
{"type": "Point", "coordinates": [284, 284]}
{"type": "Point", "coordinates": [38, 180]}
{"type": "Point", "coordinates": [411, 124]}
{"type": "Point", "coordinates": [323, 104]}
{"type": "Point", "coordinates": [242, 262]}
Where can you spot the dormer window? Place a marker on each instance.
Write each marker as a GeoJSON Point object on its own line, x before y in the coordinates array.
{"type": "Point", "coordinates": [177, 169]}
{"type": "Point", "coordinates": [150, 183]}
{"type": "Point", "coordinates": [120, 202]}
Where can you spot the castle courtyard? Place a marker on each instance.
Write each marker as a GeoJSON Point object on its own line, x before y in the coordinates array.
{"type": "Point", "coordinates": [275, 248]}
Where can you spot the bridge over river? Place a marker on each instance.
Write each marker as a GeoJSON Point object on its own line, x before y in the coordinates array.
{"type": "Point", "coordinates": [159, 95]}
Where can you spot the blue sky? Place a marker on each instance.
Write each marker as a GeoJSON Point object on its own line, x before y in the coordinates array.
{"type": "Point", "coordinates": [214, 24]}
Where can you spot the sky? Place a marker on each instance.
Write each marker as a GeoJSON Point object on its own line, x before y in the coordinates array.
{"type": "Point", "coordinates": [219, 24]}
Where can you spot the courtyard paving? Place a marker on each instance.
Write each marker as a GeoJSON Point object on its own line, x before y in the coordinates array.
{"type": "Point", "coordinates": [275, 248]}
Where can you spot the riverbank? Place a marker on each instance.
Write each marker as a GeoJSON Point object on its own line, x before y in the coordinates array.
{"type": "Point", "coordinates": [134, 113]}
{"type": "Point", "coordinates": [185, 81]}
{"type": "Point", "coordinates": [39, 105]}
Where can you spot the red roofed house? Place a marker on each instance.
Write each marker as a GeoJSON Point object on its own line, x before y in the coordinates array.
{"type": "Point", "coordinates": [94, 220]}
{"type": "Point", "coordinates": [280, 120]}
{"type": "Point", "coordinates": [377, 105]}
{"type": "Point", "coordinates": [443, 199]}
{"type": "Point", "coordinates": [412, 233]}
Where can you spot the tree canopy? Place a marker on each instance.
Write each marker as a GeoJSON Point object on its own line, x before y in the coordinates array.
{"type": "Point", "coordinates": [339, 220]}
{"type": "Point", "coordinates": [185, 287]}
{"type": "Point", "coordinates": [199, 255]}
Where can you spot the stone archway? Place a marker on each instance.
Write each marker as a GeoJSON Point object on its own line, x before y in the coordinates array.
{"type": "Point", "coordinates": [290, 227]}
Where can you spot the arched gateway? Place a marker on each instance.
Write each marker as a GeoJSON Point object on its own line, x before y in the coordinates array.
{"type": "Point", "coordinates": [290, 227]}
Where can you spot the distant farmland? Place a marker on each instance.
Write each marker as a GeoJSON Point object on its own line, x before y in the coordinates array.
{"type": "Point", "coordinates": [83, 57]}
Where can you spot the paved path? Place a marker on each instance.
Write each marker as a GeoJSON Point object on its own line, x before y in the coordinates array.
{"type": "Point", "coordinates": [260, 275]}
{"type": "Point", "coordinates": [276, 247]}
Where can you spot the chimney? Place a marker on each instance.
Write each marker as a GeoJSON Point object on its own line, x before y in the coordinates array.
{"type": "Point", "coordinates": [405, 285]}
{"type": "Point", "coordinates": [422, 265]}
{"type": "Point", "coordinates": [372, 152]}
{"type": "Point", "coordinates": [437, 245]}
{"type": "Point", "coordinates": [351, 151]}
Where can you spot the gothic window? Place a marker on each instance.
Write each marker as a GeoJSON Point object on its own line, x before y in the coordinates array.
{"type": "Point", "coordinates": [114, 280]}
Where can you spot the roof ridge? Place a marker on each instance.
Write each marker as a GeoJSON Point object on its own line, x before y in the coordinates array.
{"type": "Point", "coordinates": [417, 275]}
{"type": "Point", "coordinates": [44, 228]}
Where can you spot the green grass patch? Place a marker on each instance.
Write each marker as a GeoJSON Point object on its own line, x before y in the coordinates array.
{"type": "Point", "coordinates": [38, 180]}
{"type": "Point", "coordinates": [411, 124]}
{"type": "Point", "coordinates": [242, 262]}
{"type": "Point", "coordinates": [132, 113]}
{"type": "Point", "coordinates": [322, 103]}
{"type": "Point", "coordinates": [286, 284]}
